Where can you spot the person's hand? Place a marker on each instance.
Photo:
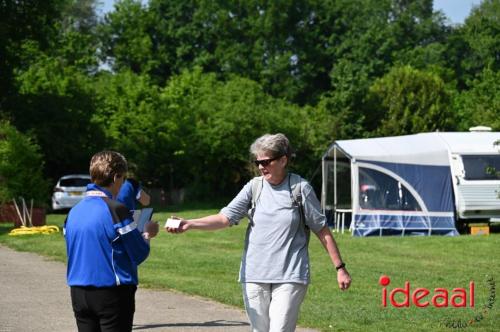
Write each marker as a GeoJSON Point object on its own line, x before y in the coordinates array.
{"type": "Point", "coordinates": [343, 278]}
{"type": "Point", "coordinates": [151, 229]}
{"type": "Point", "coordinates": [183, 226]}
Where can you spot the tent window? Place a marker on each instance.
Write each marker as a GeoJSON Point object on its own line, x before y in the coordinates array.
{"type": "Point", "coordinates": [482, 167]}
{"type": "Point", "coordinates": [379, 191]}
{"type": "Point", "coordinates": [343, 185]}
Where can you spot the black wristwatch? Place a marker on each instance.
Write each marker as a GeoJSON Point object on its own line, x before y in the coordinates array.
{"type": "Point", "coordinates": [341, 266]}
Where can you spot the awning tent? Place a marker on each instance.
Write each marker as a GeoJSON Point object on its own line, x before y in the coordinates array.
{"type": "Point", "coordinates": [396, 185]}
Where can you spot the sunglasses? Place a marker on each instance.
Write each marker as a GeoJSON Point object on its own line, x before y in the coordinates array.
{"type": "Point", "coordinates": [265, 162]}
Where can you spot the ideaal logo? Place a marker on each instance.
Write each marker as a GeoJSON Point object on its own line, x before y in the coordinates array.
{"type": "Point", "coordinates": [440, 298]}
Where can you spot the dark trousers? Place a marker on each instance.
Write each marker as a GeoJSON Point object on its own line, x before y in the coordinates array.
{"type": "Point", "coordinates": [104, 309]}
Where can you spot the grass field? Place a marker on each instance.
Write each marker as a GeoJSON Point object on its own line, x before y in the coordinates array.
{"type": "Point", "coordinates": [207, 263]}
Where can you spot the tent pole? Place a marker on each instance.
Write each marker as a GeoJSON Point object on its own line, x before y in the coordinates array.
{"type": "Point", "coordinates": [335, 178]}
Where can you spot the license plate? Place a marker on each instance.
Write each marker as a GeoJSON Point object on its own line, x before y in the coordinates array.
{"type": "Point", "coordinates": [75, 193]}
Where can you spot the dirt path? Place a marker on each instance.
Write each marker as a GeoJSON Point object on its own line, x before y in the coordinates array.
{"type": "Point", "coordinates": [34, 297]}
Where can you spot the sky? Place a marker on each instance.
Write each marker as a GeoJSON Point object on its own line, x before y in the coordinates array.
{"type": "Point", "coordinates": [455, 10]}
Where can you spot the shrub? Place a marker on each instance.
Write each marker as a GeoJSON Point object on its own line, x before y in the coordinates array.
{"type": "Point", "coordinates": [21, 166]}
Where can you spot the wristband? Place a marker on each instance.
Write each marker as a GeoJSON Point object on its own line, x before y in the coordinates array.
{"type": "Point", "coordinates": [341, 266]}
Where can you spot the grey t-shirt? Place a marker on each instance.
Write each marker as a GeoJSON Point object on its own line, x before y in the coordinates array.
{"type": "Point", "coordinates": [276, 244]}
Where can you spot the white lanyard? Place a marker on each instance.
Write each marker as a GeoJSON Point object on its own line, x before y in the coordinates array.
{"type": "Point", "coordinates": [95, 193]}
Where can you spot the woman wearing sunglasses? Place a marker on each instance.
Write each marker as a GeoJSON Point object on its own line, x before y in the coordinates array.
{"type": "Point", "coordinates": [274, 270]}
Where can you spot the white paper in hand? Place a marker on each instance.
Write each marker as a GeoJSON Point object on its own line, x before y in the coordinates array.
{"type": "Point", "coordinates": [172, 223]}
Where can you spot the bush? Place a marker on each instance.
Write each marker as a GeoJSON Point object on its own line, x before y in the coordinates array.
{"type": "Point", "coordinates": [21, 166]}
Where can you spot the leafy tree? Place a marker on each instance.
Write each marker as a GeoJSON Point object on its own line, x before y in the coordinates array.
{"type": "Point", "coordinates": [216, 123]}
{"type": "Point", "coordinates": [474, 48]}
{"type": "Point", "coordinates": [291, 48]}
{"type": "Point", "coordinates": [126, 40]}
{"type": "Point", "coordinates": [20, 171]}
{"type": "Point", "coordinates": [194, 82]}
{"type": "Point", "coordinates": [408, 101]}
{"type": "Point", "coordinates": [51, 93]}
{"type": "Point", "coordinates": [258, 41]}
{"type": "Point", "coordinates": [333, 119]}
{"type": "Point", "coordinates": [55, 104]}
{"type": "Point", "coordinates": [481, 104]}
{"type": "Point", "coordinates": [126, 107]}
{"type": "Point", "coordinates": [21, 21]}
{"type": "Point", "coordinates": [186, 134]}
{"type": "Point", "coordinates": [480, 33]}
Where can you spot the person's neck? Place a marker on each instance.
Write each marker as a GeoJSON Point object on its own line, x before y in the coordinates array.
{"type": "Point", "coordinates": [111, 190]}
{"type": "Point", "coordinates": [279, 180]}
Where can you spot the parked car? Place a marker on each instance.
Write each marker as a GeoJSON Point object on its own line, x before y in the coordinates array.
{"type": "Point", "coordinates": [69, 190]}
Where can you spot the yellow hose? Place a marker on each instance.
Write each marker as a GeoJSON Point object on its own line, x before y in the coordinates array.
{"type": "Point", "coordinates": [34, 230]}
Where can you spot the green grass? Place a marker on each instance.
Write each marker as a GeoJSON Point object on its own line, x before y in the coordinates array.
{"type": "Point", "coordinates": [207, 263]}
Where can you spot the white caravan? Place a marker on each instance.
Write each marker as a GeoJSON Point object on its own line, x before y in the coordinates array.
{"type": "Point", "coordinates": [414, 184]}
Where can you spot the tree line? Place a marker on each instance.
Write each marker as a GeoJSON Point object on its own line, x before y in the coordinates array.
{"type": "Point", "coordinates": [182, 87]}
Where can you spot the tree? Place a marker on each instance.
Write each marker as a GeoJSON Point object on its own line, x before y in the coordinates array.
{"type": "Point", "coordinates": [20, 171]}
{"type": "Point", "coordinates": [126, 113]}
{"type": "Point", "coordinates": [473, 49]}
{"type": "Point", "coordinates": [408, 101]}
{"type": "Point", "coordinates": [51, 93]}
{"type": "Point", "coordinates": [481, 104]}
{"type": "Point", "coordinates": [214, 123]}
{"type": "Point", "coordinates": [56, 103]}
{"type": "Point", "coordinates": [480, 33]}
{"type": "Point", "coordinates": [182, 135]}
{"type": "Point", "coordinates": [21, 21]}
{"type": "Point", "coordinates": [127, 40]}
{"type": "Point", "coordinates": [291, 48]}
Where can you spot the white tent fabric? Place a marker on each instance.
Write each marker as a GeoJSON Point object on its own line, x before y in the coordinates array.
{"type": "Point", "coordinates": [419, 165]}
{"type": "Point", "coordinates": [419, 149]}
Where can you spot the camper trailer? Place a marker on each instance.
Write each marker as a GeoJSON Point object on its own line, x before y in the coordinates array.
{"type": "Point", "coordinates": [421, 184]}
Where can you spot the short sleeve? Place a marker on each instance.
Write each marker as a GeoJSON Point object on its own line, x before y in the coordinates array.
{"type": "Point", "coordinates": [237, 209]}
{"type": "Point", "coordinates": [315, 219]}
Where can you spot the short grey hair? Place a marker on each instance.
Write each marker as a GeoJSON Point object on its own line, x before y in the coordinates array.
{"type": "Point", "coordinates": [276, 145]}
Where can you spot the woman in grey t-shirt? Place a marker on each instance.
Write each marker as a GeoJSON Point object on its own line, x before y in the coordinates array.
{"type": "Point", "coordinates": [274, 270]}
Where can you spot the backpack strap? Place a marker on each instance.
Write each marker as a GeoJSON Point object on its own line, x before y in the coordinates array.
{"type": "Point", "coordinates": [257, 185]}
{"type": "Point", "coordinates": [295, 185]}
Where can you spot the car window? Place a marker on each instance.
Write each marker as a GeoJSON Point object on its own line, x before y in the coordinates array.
{"type": "Point", "coordinates": [74, 182]}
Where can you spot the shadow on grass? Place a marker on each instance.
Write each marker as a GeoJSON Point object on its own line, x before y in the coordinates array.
{"type": "Point", "coordinates": [495, 227]}
{"type": "Point", "coordinates": [5, 228]}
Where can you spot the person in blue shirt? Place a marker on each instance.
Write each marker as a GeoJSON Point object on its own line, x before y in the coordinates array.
{"type": "Point", "coordinates": [131, 192]}
{"type": "Point", "coordinates": [104, 249]}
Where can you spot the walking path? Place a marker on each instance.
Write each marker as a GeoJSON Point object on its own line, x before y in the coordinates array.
{"type": "Point", "coordinates": [34, 297]}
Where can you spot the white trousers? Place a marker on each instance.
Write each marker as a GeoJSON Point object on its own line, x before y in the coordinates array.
{"type": "Point", "coordinates": [273, 307]}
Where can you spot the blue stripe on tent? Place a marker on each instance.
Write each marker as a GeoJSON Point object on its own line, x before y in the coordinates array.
{"type": "Point", "coordinates": [383, 224]}
{"type": "Point", "coordinates": [433, 183]}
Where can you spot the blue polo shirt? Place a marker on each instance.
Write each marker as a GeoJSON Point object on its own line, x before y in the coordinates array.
{"type": "Point", "coordinates": [103, 244]}
{"type": "Point", "coordinates": [129, 193]}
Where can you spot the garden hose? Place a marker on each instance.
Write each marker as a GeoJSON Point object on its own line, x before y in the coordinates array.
{"type": "Point", "coordinates": [23, 230]}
